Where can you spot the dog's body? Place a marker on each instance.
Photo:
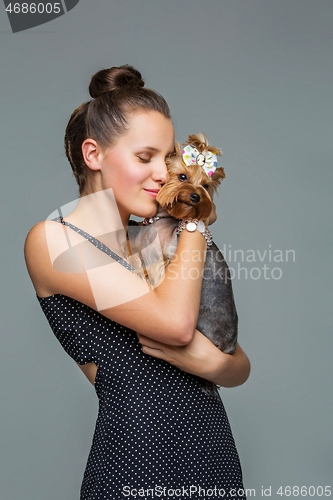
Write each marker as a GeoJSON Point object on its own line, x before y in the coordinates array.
{"type": "Point", "coordinates": [182, 198]}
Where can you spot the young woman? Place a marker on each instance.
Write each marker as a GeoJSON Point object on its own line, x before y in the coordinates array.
{"type": "Point", "coordinates": [157, 433]}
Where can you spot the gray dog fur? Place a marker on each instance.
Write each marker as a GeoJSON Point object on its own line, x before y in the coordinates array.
{"type": "Point", "coordinates": [217, 319]}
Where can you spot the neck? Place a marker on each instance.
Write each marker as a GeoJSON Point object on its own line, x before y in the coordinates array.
{"type": "Point", "coordinates": [98, 214]}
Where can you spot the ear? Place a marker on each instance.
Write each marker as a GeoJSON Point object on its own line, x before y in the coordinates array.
{"type": "Point", "coordinates": [91, 152]}
{"type": "Point", "coordinates": [217, 177]}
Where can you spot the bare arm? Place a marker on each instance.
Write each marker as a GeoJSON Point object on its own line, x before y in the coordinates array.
{"type": "Point", "coordinates": [167, 314]}
{"type": "Point", "coordinates": [90, 370]}
{"type": "Point", "coordinates": [200, 357]}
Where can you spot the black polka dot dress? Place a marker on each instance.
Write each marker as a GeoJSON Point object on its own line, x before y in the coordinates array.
{"type": "Point", "coordinates": [157, 435]}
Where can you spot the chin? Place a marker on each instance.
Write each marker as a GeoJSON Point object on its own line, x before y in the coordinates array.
{"type": "Point", "coordinates": [147, 211]}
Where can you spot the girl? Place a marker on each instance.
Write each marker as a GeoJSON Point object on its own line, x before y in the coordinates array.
{"type": "Point", "coordinates": [157, 433]}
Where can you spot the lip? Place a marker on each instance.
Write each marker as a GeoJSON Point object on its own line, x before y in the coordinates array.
{"type": "Point", "coordinates": [152, 192]}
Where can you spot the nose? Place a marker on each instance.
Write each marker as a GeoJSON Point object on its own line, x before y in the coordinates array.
{"type": "Point", "coordinates": [195, 198]}
{"type": "Point", "coordinates": [160, 173]}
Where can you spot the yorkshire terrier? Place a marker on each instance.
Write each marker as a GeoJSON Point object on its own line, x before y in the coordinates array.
{"type": "Point", "coordinates": [193, 176]}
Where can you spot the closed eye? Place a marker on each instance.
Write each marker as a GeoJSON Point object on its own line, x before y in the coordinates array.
{"type": "Point", "coordinates": [144, 160]}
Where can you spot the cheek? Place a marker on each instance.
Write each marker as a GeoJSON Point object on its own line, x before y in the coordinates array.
{"type": "Point", "coordinates": [126, 178]}
{"type": "Point", "coordinates": [137, 176]}
{"type": "Point", "coordinates": [130, 183]}
{"type": "Point", "coordinates": [124, 174]}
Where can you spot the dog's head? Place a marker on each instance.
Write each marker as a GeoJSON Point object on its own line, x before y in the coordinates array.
{"type": "Point", "coordinates": [188, 193]}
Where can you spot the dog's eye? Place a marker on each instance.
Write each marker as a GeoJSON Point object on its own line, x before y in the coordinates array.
{"type": "Point", "coordinates": [205, 186]}
{"type": "Point", "coordinates": [182, 177]}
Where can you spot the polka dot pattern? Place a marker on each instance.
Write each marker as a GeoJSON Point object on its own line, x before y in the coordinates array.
{"type": "Point", "coordinates": [155, 426]}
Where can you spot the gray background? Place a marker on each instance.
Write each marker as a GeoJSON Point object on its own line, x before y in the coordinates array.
{"type": "Point", "coordinates": [256, 77]}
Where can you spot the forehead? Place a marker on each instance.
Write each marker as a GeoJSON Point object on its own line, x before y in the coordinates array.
{"type": "Point", "coordinates": [149, 129]}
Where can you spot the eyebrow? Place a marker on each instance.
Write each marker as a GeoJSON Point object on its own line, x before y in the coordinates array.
{"type": "Point", "coordinates": [150, 148]}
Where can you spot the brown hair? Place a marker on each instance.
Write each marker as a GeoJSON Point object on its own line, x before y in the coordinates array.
{"type": "Point", "coordinates": [115, 92]}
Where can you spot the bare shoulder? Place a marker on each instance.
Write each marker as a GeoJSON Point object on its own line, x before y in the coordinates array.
{"type": "Point", "coordinates": [41, 245]}
{"type": "Point", "coordinates": [37, 235]}
{"type": "Point", "coordinates": [33, 246]}
{"type": "Point", "coordinates": [63, 262]}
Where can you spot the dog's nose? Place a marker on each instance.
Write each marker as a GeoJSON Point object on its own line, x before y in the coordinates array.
{"type": "Point", "coordinates": [195, 198]}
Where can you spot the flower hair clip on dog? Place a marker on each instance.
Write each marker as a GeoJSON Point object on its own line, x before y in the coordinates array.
{"type": "Point", "coordinates": [208, 161]}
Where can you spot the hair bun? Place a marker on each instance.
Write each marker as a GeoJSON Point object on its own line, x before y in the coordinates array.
{"type": "Point", "coordinates": [115, 78]}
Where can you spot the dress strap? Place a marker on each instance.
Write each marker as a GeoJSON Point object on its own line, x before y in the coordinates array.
{"type": "Point", "coordinates": [97, 243]}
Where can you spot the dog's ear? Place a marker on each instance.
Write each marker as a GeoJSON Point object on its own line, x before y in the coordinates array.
{"type": "Point", "coordinates": [217, 177]}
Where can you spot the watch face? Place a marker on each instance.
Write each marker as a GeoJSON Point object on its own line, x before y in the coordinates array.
{"type": "Point", "coordinates": [191, 226]}
{"type": "Point", "coordinates": [201, 226]}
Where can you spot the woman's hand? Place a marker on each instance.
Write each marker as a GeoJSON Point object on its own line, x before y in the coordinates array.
{"type": "Point", "coordinates": [200, 357]}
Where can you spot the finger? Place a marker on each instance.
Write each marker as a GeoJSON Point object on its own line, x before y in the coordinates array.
{"type": "Point", "coordinates": [156, 353]}
{"type": "Point", "coordinates": [142, 337]}
{"type": "Point", "coordinates": [146, 341]}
